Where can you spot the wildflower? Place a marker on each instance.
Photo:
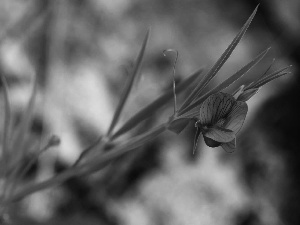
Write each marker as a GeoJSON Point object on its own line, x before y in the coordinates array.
{"type": "Point", "coordinates": [221, 118]}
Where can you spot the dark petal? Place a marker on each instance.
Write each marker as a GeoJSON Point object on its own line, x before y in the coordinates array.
{"type": "Point", "coordinates": [219, 134]}
{"type": "Point", "coordinates": [211, 143]}
{"type": "Point", "coordinates": [215, 107]}
{"type": "Point", "coordinates": [236, 117]}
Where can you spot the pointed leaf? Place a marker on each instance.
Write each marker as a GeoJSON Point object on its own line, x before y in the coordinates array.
{"type": "Point", "coordinates": [268, 69]}
{"type": "Point", "coordinates": [139, 140]}
{"type": "Point", "coordinates": [270, 78]}
{"type": "Point", "coordinates": [157, 104]}
{"type": "Point", "coordinates": [178, 125]}
{"type": "Point", "coordinates": [6, 129]}
{"type": "Point", "coordinates": [229, 81]}
{"type": "Point", "coordinates": [217, 66]}
{"type": "Point", "coordinates": [129, 84]}
{"type": "Point", "coordinates": [19, 137]}
{"type": "Point", "coordinates": [267, 78]}
{"type": "Point", "coordinates": [88, 168]}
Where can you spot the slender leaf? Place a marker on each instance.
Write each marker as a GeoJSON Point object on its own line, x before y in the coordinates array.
{"type": "Point", "coordinates": [129, 84]}
{"type": "Point", "coordinates": [276, 72]}
{"type": "Point", "coordinates": [33, 158]}
{"type": "Point", "coordinates": [139, 140]}
{"type": "Point", "coordinates": [20, 135]}
{"type": "Point", "coordinates": [267, 80]}
{"type": "Point", "coordinates": [19, 139]}
{"type": "Point", "coordinates": [154, 106]}
{"type": "Point", "coordinates": [88, 168]}
{"type": "Point", "coordinates": [264, 77]}
{"type": "Point", "coordinates": [87, 150]}
{"type": "Point", "coordinates": [6, 129]}
{"type": "Point", "coordinates": [178, 125]}
{"type": "Point", "coordinates": [217, 66]}
{"type": "Point", "coordinates": [268, 69]}
{"type": "Point", "coordinates": [227, 82]}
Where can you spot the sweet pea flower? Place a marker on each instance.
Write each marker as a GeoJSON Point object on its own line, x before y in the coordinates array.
{"type": "Point", "coordinates": [221, 118]}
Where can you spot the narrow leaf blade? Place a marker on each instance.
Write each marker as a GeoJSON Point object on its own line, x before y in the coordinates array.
{"type": "Point", "coordinates": [89, 167]}
{"type": "Point", "coordinates": [178, 125]}
{"type": "Point", "coordinates": [19, 137]}
{"type": "Point", "coordinates": [154, 106]}
{"type": "Point", "coordinates": [229, 81]}
{"type": "Point", "coordinates": [268, 79]}
{"type": "Point", "coordinates": [7, 119]}
{"type": "Point", "coordinates": [217, 66]}
{"type": "Point", "coordinates": [265, 76]}
{"type": "Point", "coordinates": [129, 84]}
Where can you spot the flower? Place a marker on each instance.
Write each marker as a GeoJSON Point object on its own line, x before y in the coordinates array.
{"type": "Point", "coordinates": [221, 118]}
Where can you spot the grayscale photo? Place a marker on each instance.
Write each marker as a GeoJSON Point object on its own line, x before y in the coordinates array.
{"type": "Point", "coordinates": [161, 112]}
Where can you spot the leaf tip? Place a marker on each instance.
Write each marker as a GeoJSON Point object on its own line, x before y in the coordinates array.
{"type": "Point", "coordinates": [257, 7]}
{"type": "Point", "coordinates": [254, 12]}
{"type": "Point", "coordinates": [148, 33]}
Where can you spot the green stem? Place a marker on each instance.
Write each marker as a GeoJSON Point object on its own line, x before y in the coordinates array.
{"type": "Point", "coordinates": [6, 132]}
{"type": "Point", "coordinates": [91, 166]}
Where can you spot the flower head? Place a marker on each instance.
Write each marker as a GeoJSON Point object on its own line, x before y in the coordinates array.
{"type": "Point", "coordinates": [221, 118]}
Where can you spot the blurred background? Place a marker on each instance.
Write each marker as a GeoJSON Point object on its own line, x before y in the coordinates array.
{"type": "Point", "coordinates": [80, 52]}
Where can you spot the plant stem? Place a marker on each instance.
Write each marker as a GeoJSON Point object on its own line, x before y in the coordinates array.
{"type": "Point", "coordinates": [91, 166]}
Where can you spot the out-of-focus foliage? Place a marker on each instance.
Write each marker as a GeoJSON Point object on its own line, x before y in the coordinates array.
{"type": "Point", "coordinates": [81, 50]}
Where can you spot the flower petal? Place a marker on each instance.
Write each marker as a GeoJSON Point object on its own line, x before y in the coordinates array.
{"type": "Point", "coordinates": [218, 134]}
{"type": "Point", "coordinates": [229, 147]}
{"type": "Point", "coordinates": [215, 107]}
{"type": "Point", "coordinates": [211, 143]}
{"type": "Point", "coordinates": [236, 117]}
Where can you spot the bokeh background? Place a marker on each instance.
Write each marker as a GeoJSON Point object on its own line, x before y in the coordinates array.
{"type": "Point", "coordinates": [80, 52]}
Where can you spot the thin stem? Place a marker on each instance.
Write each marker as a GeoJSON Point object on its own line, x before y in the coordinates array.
{"type": "Point", "coordinates": [128, 86]}
{"type": "Point", "coordinates": [32, 160]}
{"type": "Point", "coordinates": [91, 166]}
{"type": "Point", "coordinates": [197, 135]}
{"type": "Point", "coordinates": [174, 71]}
{"type": "Point", "coordinates": [18, 143]}
{"type": "Point", "coordinates": [7, 118]}
{"type": "Point", "coordinates": [87, 150]}
{"type": "Point", "coordinates": [6, 132]}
